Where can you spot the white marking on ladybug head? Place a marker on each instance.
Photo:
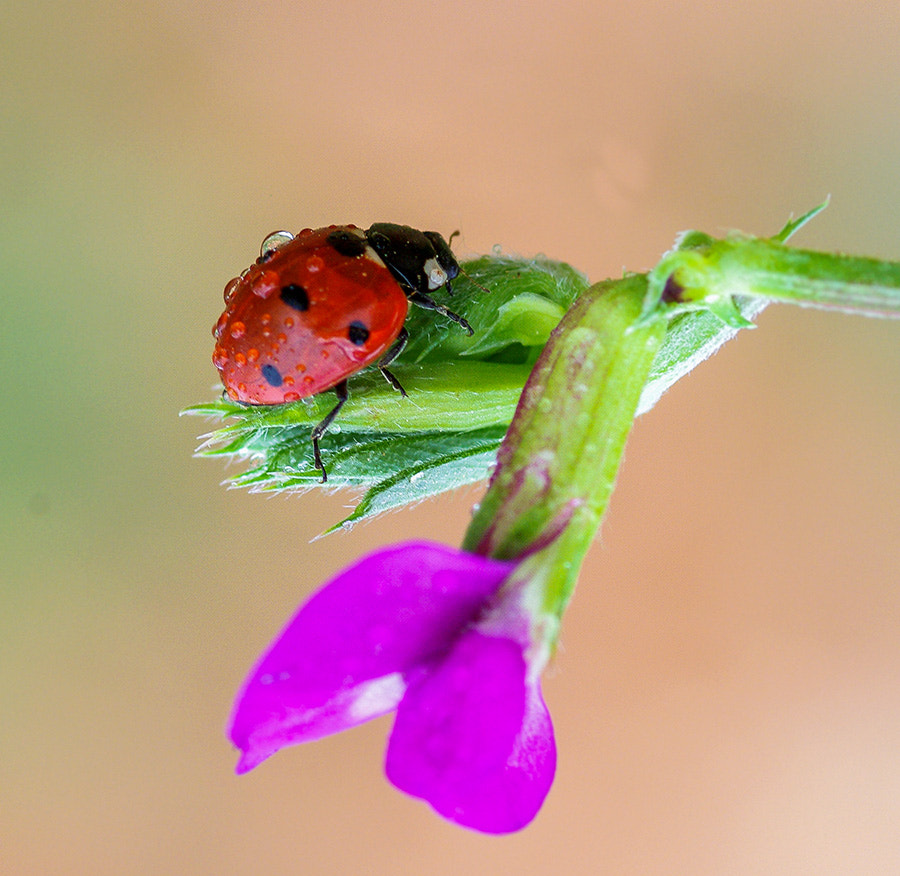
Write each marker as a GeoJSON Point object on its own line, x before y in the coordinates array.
{"type": "Point", "coordinates": [373, 256]}
{"type": "Point", "coordinates": [437, 276]}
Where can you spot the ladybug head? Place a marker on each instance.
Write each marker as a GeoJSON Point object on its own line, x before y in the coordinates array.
{"type": "Point", "coordinates": [446, 261]}
{"type": "Point", "coordinates": [421, 261]}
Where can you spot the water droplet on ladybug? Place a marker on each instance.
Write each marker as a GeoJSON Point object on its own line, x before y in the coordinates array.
{"type": "Point", "coordinates": [266, 285]}
{"type": "Point", "coordinates": [238, 329]}
{"type": "Point", "coordinates": [273, 241]}
{"type": "Point", "coordinates": [231, 288]}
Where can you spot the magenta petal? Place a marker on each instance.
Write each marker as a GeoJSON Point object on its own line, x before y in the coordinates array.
{"type": "Point", "coordinates": [474, 738]}
{"type": "Point", "coordinates": [343, 658]}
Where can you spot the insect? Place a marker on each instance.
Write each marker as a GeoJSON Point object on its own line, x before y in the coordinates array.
{"type": "Point", "coordinates": [316, 308]}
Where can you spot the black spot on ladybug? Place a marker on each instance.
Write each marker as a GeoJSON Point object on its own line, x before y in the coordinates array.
{"type": "Point", "coordinates": [272, 375]}
{"type": "Point", "coordinates": [295, 296]}
{"type": "Point", "coordinates": [357, 333]}
{"type": "Point", "coordinates": [347, 243]}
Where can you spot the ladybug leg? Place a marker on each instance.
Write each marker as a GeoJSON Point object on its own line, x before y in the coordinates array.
{"type": "Point", "coordinates": [341, 391]}
{"type": "Point", "coordinates": [430, 304]}
{"type": "Point", "coordinates": [393, 352]}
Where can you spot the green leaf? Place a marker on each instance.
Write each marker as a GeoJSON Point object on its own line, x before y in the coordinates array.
{"type": "Point", "coordinates": [511, 303]}
{"type": "Point", "coordinates": [691, 338]}
{"type": "Point", "coordinates": [399, 466]}
{"type": "Point", "coordinates": [439, 463]}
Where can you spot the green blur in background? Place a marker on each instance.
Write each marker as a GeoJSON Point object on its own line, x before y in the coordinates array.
{"type": "Point", "coordinates": [725, 695]}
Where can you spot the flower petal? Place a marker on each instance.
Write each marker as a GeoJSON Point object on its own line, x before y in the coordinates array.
{"type": "Point", "coordinates": [474, 738]}
{"type": "Point", "coordinates": [344, 657]}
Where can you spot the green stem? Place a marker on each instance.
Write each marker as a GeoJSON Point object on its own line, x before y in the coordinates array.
{"type": "Point", "coordinates": [767, 269]}
{"type": "Point", "coordinates": [558, 463]}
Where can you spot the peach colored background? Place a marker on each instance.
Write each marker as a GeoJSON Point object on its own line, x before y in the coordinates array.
{"type": "Point", "coordinates": [727, 693]}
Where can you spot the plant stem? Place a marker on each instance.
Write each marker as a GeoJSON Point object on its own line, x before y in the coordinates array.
{"type": "Point", "coordinates": [558, 462]}
{"type": "Point", "coordinates": [767, 269]}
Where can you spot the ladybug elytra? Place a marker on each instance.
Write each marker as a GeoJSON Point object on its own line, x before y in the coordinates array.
{"type": "Point", "coordinates": [316, 308]}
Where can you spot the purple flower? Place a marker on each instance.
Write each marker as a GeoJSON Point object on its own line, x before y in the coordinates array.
{"type": "Point", "coordinates": [432, 632]}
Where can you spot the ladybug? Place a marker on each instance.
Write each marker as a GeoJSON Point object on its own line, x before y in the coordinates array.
{"type": "Point", "coordinates": [316, 308]}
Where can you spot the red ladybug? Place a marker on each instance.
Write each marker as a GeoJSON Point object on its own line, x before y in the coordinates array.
{"type": "Point", "coordinates": [318, 307]}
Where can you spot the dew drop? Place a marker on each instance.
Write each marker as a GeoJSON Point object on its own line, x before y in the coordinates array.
{"type": "Point", "coordinates": [231, 288]}
{"type": "Point", "coordinates": [291, 396]}
{"type": "Point", "coordinates": [238, 330]}
{"type": "Point", "coordinates": [252, 355]}
{"type": "Point", "coordinates": [266, 284]}
{"type": "Point", "coordinates": [275, 240]}
{"type": "Point", "coordinates": [240, 359]}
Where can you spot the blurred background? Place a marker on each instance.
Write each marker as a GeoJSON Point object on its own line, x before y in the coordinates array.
{"type": "Point", "coordinates": [726, 694]}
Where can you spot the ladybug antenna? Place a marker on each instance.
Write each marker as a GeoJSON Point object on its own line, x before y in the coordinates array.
{"type": "Point", "coordinates": [472, 280]}
{"type": "Point", "coordinates": [462, 270]}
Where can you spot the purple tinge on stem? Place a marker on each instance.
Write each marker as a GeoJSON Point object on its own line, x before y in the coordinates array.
{"type": "Point", "coordinates": [424, 629]}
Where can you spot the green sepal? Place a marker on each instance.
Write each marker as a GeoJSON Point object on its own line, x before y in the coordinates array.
{"type": "Point", "coordinates": [794, 225]}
